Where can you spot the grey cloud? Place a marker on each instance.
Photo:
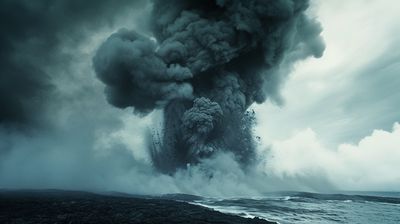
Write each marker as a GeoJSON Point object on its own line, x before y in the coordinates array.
{"type": "Point", "coordinates": [135, 75]}
{"type": "Point", "coordinates": [51, 106]}
{"type": "Point", "coordinates": [198, 122]}
{"type": "Point", "coordinates": [31, 36]}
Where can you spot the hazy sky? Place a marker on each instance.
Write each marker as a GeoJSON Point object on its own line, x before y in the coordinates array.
{"type": "Point", "coordinates": [349, 96]}
{"type": "Point", "coordinates": [352, 90]}
{"type": "Point", "coordinates": [335, 130]}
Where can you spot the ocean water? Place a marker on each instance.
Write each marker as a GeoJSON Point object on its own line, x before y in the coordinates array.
{"type": "Point", "coordinates": [300, 207]}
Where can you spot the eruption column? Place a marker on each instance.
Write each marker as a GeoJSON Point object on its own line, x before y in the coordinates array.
{"type": "Point", "coordinates": [211, 60]}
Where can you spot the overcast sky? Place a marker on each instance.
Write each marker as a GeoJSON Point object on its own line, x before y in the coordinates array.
{"type": "Point", "coordinates": [337, 126]}
{"type": "Point", "coordinates": [352, 90]}
{"type": "Point", "coordinates": [349, 96]}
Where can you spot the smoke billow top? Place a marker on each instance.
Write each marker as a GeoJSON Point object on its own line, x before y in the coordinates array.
{"type": "Point", "coordinates": [205, 63]}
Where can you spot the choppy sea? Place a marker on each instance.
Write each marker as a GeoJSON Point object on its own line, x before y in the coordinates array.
{"type": "Point", "coordinates": [301, 207]}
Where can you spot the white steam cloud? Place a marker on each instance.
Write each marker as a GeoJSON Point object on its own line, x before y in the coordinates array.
{"type": "Point", "coordinates": [371, 164]}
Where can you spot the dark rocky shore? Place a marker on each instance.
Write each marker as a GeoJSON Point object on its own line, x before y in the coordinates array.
{"type": "Point", "coordinates": [27, 207]}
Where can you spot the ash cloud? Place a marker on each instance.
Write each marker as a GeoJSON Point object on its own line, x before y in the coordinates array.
{"type": "Point", "coordinates": [204, 65]}
{"type": "Point", "coordinates": [135, 75]}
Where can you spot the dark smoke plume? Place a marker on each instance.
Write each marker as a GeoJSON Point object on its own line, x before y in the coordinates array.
{"type": "Point", "coordinates": [206, 63]}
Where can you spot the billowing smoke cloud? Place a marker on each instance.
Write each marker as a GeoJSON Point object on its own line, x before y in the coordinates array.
{"type": "Point", "coordinates": [136, 76]}
{"type": "Point", "coordinates": [205, 64]}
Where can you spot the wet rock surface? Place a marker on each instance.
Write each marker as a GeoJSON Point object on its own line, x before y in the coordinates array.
{"type": "Point", "coordinates": [81, 207]}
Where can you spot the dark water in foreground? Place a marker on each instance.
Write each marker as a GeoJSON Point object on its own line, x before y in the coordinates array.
{"type": "Point", "coordinates": [297, 207]}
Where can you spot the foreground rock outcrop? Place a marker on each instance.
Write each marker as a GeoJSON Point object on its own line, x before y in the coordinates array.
{"type": "Point", "coordinates": [81, 207]}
